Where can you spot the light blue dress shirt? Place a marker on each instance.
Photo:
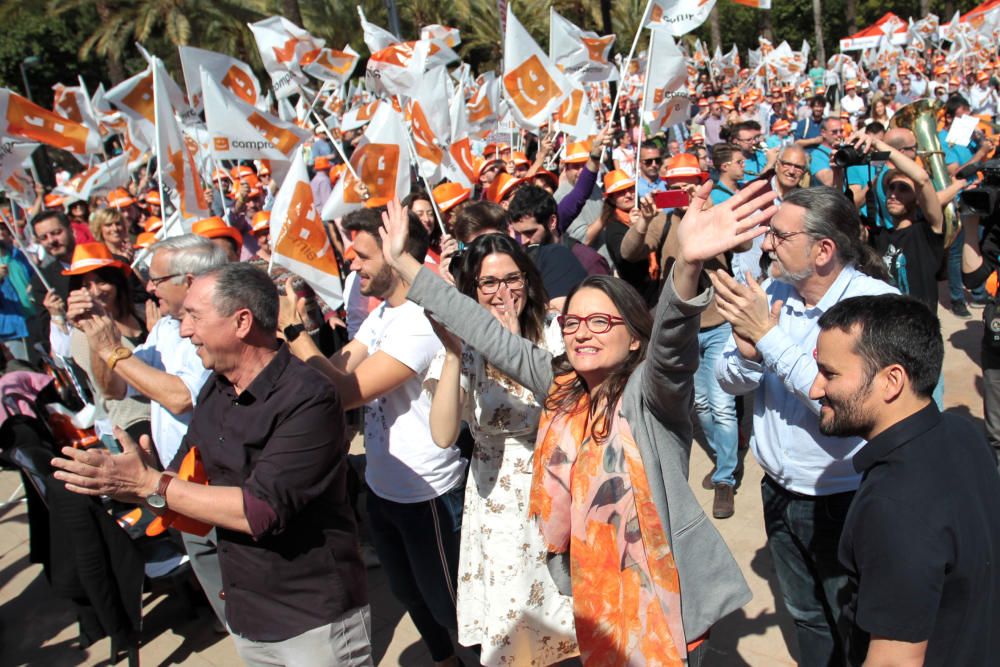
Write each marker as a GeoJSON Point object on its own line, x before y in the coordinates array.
{"type": "Point", "coordinates": [786, 439]}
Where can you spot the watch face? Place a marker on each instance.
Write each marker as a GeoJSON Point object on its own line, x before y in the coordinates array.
{"type": "Point", "coordinates": [156, 501]}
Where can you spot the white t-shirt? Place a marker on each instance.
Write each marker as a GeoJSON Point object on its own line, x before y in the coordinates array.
{"type": "Point", "coordinates": [404, 464]}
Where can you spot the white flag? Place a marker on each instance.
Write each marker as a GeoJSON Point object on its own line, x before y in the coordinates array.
{"type": "Point", "coordinates": [230, 73]}
{"type": "Point", "coordinates": [22, 119]}
{"type": "Point", "coordinates": [376, 38]}
{"type": "Point", "coordinates": [14, 180]}
{"type": "Point", "coordinates": [450, 36]}
{"type": "Point", "coordinates": [580, 53]}
{"type": "Point", "coordinates": [282, 45]}
{"type": "Point", "coordinates": [99, 179]}
{"type": "Point", "coordinates": [330, 65]}
{"type": "Point", "coordinates": [175, 154]}
{"type": "Point", "coordinates": [299, 241]}
{"type": "Point", "coordinates": [484, 107]}
{"type": "Point", "coordinates": [380, 161]}
{"type": "Point", "coordinates": [359, 116]}
{"type": "Point", "coordinates": [239, 131]}
{"type": "Point", "coordinates": [666, 100]}
{"type": "Point", "coordinates": [430, 124]}
{"type": "Point", "coordinates": [575, 116]}
{"type": "Point", "coordinates": [533, 87]}
{"type": "Point", "coordinates": [460, 165]}
{"type": "Point", "coordinates": [679, 17]}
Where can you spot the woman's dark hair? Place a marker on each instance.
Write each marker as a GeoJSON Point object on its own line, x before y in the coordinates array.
{"type": "Point", "coordinates": [473, 218]}
{"type": "Point", "coordinates": [435, 233]}
{"type": "Point", "coordinates": [532, 318]}
{"type": "Point", "coordinates": [112, 276]}
{"type": "Point", "coordinates": [570, 387]}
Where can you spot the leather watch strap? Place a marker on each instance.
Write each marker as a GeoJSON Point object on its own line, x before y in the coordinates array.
{"type": "Point", "coordinates": [161, 487]}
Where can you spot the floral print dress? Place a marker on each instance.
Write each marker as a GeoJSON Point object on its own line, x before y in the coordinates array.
{"type": "Point", "coordinates": [507, 602]}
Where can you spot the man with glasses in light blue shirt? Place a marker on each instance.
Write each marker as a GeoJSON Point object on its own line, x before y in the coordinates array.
{"type": "Point", "coordinates": [817, 259]}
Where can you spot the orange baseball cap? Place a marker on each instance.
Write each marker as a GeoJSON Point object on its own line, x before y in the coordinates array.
{"type": "Point", "coordinates": [449, 195]}
{"type": "Point", "coordinates": [577, 151]}
{"type": "Point", "coordinates": [502, 186]}
{"type": "Point", "coordinates": [549, 176]}
{"type": "Point", "coordinates": [152, 224]}
{"type": "Point", "coordinates": [684, 165]}
{"type": "Point", "coordinates": [616, 181]}
{"type": "Point", "coordinates": [120, 198]}
{"type": "Point", "coordinates": [54, 201]}
{"type": "Point", "coordinates": [321, 163]}
{"type": "Point", "coordinates": [781, 125]}
{"type": "Point", "coordinates": [483, 162]}
{"type": "Point", "coordinates": [261, 222]}
{"type": "Point", "coordinates": [215, 228]}
{"type": "Point", "coordinates": [520, 159]}
{"type": "Point", "coordinates": [240, 172]}
{"type": "Point", "coordinates": [89, 257]}
{"type": "Point", "coordinates": [152, 198]}
{"type": "Point", "coordinates": [144, 240]}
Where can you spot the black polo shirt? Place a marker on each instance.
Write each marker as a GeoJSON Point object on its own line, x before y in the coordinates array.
{"type": "Point", "coordinates": [282, 441]}
{"type": "Point", "coordinates": [922, 539]}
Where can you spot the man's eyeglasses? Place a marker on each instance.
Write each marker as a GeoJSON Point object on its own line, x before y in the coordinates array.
{"type": "Point", "coordinates": [792, 165]}
{"type": "Point", "coordinates": [490, 285]}
{"type": "Point", "coordinates": [651, 161]}
{"type": "Point", "coordinates": [777, 236]}
{"type": "Point", "coordinates": [162, 279]}
{"type": "Point", "coordinates": [597, 323]}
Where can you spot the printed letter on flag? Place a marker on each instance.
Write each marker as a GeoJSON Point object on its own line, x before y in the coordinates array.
{"type": "Point", "coordinates": [239, 131]}
{"type": "Point", "coordinates": [300, 242]}
{"type": "Point", "coordinates": [176, 157]}
{"type": "Point", "coordinates": [679, 16]}
{"type": "Point", "coordinates": [580, 53]}
{"type": "Point", "coordinates": [532, 85]}
{"type": "Point", "coordinates": [232, 74]}
{"type": "Point", "coordinates": [380, 161]}
{"type": "Point", "coordinates": [666, 101]}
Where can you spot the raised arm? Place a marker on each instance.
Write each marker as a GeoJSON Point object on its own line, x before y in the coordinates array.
{"type": "Point", "coordinates": [702, 235]}
{"type": "Point", "coordinates": [519, 358]}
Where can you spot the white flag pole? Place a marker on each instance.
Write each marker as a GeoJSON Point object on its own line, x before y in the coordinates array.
{"type": "Point", "coordinates": [416, 162]}
{"type": "Point", "coordinates": [27, 255]}
{"type": "Point", "coordinates": [628, 61]}
{"type": "Point", "coordinates": [642, 112]}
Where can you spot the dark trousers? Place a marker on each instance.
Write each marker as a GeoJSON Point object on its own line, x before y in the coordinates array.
{"type": "Point", "coordinates": [803, 533]}
{"type": "Point", "coordinates": [418, 546]}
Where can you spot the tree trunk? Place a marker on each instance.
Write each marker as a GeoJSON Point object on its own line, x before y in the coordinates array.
{"type": "Point", "coordinates": [851, 7]}
{"type": "Point", "coordinates": [606, 27]}
{"type": "Point", "coordinates": [715, 31]}
{"type": "Point", "coordinates": [291, 11]}
{"type": "Point", "coordinates": [949, 10]}
{"type": "Point", "coordinates": [818, 25]}
{"type": "Point", "coordinates": [925, 8]}
{"type": "Point", "coordinates": [765, 25]}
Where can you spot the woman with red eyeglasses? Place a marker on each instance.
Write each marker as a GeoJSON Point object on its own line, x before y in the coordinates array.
{"type": "Point", "coordinates": [649, 573]}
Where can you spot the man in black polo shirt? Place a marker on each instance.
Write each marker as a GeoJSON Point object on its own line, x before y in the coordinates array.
{"type": "Point", "coordinates": [923, 532]}
{"type": "Point", "coordinates": [270, 431]}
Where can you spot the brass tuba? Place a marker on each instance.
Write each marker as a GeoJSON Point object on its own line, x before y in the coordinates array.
{"type": "Point", "coordinates": [920, 117]}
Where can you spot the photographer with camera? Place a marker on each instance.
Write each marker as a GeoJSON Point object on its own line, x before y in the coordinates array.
{"type": "Point", "coordinates": [980, 261]}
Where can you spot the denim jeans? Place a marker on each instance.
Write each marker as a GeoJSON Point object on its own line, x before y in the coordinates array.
{"type": "Point", "coordinates": [803, 534]}
{"type": "Point", "coordinates": [955, 287]}
{"type": "Point", "coordinates": [716, 409]}
{"type": "Point", "coordinates": [418, 546]}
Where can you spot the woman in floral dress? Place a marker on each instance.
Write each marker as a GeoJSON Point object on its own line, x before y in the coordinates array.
{"type": "Point", "coordinates": [507, 601]}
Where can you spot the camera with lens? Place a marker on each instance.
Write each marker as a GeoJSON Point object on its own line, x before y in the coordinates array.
{"type": "Point", "coordinates": [982, 200]}
{"type": "Point", "coordinates": [847, 155]}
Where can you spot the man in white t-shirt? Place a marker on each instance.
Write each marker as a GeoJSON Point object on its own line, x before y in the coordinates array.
{"type": "Point", "coordinates": [416, 489]}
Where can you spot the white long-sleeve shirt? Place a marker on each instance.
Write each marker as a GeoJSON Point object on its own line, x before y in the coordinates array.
{"type": "Point", "coordinates": [786, 439]}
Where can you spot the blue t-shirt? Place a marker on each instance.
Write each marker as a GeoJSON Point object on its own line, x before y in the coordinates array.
{"type": "Point", "coordinates": [753, 166]}
{"type": "Point", "coordinates": [819, 160]}
{"type": "Point", "coordinates": [808, 129]}
{"type": "Point", "coordinates": [644, 187]}
{"type": "Point", "coordinates": [720, 193]}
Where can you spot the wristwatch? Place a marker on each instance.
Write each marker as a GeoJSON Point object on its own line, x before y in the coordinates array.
{"type": "Point", "coordinates": [158, 499]}
{"type": "Point", "coordinates": [292, 331]}
{"type": "Point", "coordinates": [119, 353]}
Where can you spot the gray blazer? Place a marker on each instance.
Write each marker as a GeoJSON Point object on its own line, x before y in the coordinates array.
{"type": "Point", "coordinates": [656, 404]}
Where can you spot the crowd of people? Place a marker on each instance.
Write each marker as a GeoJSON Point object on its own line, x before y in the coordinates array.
{"type": "Point", "coordinates": [534, 358]}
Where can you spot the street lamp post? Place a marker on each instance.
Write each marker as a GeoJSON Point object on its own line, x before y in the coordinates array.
{"type": "Point", "coordinates": [30, 61]}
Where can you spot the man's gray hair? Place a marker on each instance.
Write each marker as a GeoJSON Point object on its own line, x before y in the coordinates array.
{"type": "Point", "coordinates": [830, 214]}
{"type": "Point", "coordinates": [189, 253]}
{"type": "Point", "coordinates": [794, 148]}
{"type": "Point", "coordinates": [239, 285]}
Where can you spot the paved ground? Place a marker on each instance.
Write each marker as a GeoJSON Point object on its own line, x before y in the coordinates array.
{"type": "Point", "coordinates": [37, 629]}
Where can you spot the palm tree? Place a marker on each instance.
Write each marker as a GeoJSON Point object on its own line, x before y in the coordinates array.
{"type": "Point", "coordinates": [818, 26]}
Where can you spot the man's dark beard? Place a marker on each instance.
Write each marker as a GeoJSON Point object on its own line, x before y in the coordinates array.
{"type": "Point", "coordinates": [848, 418]}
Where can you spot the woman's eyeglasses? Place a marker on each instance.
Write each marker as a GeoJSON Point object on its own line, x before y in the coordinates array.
{"type": "Point", "coordinates": [597, 323]}
{"type": "Point", "coordinates": [490, 285]}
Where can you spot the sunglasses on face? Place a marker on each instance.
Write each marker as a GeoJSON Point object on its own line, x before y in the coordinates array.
{"type": "Point", "coordinates": [649, 161]}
